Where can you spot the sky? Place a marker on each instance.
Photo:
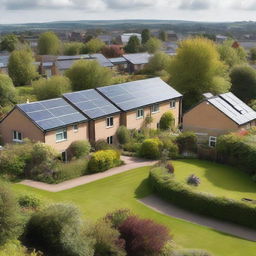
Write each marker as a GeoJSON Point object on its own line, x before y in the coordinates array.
{"type": "Point", "coordinates": [26, 11]}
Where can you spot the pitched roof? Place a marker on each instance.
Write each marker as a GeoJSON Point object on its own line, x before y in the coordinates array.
{"type": "Point", "coordinates": [233, 108]}
{"type": "Point", "coordinates": [91, 103]}
{"type": "Point", "coordinates": [118, 60]}
{"type": "Point", "coordinates": [138, 58]}
{"type": "Point", "coordinates": [51, 114]}
{"type": "Point", "coordinates": [132, 95]}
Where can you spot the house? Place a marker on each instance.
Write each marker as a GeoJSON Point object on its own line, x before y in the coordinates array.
{"type": "Point", "coordinates": [104, 117]}
{"type": "Point", "coordinates": [107, 39]}
{"type": "Point", "coordinates": [54, 122]}
{"type": "Point", "coordinates": [120, 64]}
{"type": "Point", "coordinates": [218, 115]}
{"type": "Point", "coordinates": [4, 59]}
{"type": "Point", "coordinates": [139, 99]}
{"type": "Point", "coordinates": [126, 37]}
{"type": "Point", "coordinates": [137, 61]}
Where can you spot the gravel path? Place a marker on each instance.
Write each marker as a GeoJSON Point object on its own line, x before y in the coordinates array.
{"type": "Point", "coordinates": [169, 209]}
{"type": "Point", "coordinates": [130, 163]}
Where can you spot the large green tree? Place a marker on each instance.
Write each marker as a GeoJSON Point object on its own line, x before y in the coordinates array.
{"type": "Point", "coordinates": [163, 35]}
{"type": "Point", "coordinates": [87, 74]}
{"type": "Point", "coordinates": [48, 43]}
{"type": "Point", "coordinates": [243, 80]}
{"type": "Point", "coordinates": [9, 43]}
{"type": "Point", "coordinates": [7, 91]}
{"type": "Point", "coordinates": [72, 48]}
{"type": "Point", "coordinates": [145, 36]}
{"type": "Point", "coordinates": [197, 69]}
{"type": "Point", "coordinates": [253, 54]}
{"type": "Point", "coordinates": [93, 46]}
{"type": "Point", "coordinates": [153, 45]}
{"type": "Point", "coordinates": [21, 67]}
{"type": "Point", "coordinates": [133, 45]}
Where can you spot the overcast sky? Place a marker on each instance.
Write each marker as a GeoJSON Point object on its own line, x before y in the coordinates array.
{"type": "Point", "coordinates": [22, 11]}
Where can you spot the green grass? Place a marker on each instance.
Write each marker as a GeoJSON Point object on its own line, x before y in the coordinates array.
{"type": "Point", "coordinates": [220, 180]}
{"type": "Point", "coordinates": [123, 190]}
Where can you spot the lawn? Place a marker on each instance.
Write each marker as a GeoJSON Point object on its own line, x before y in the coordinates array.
{"type": "Point", "coordinates": [122, 191]}
{"type": "Point", "coordinates": [220, 180]}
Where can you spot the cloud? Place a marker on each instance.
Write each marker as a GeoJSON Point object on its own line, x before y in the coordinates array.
{"type": "Point", "coordinates": [195, 4]}
{"type": "Point", "coordinates": [117, 4]}
{"type": "Point", "coordinates": [249, 5]}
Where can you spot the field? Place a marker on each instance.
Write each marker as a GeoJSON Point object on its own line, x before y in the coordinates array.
{"type": "Point", "coordinates": [123, 190]}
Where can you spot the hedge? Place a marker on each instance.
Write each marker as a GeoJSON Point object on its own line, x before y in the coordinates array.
{"type": "Point", "coordinates": [103, 160]}
{"type": "Point", "coordinates": [201, 203]}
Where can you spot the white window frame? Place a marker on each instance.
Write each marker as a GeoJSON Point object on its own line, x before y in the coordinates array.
{"type": "Point", "coordinates": [110, 140]}
{"type": "Point", "coordinates": [15, 136]}
{"type": "Point", "coordinates": [212, 139]}
{"type": "Point", "coordinates": [155, 108]}
{"type": "Point", "coordinates": [75, 127]}
{"type": "Point", "coordinates": [63, 133]}
{"type": "Point", "coordinates": [172, 104]}
{"type": "Point", "coordinates": [109, 121]}
{"type": "Point", "coordinates": [139, 113]}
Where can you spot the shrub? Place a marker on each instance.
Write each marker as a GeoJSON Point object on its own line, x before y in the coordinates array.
{"type": "Point", "coordinates": [201, 203]}
{"type": "Point", "coordinates": [132, 147]}
{"type": "Point", "coordinates": [143, 237]}
{"type": "Point", "coordinates": [187, 142]}
{"type": "Point", "coordinates": [193, 180]}
{"type": "Point", "coordinates": [151, 149]}
{"type": "Point", "coordinates": [58, 230]}
{"type": "Point", "coordinates": [101, 145]}
{"type": "Point", "coordinates": [123, 135]}
{"type": "Point", "coordinates": [138, 136]}
{"type": "Point", "coordinates": [170, 167]}
{"type": "Point", "coordinates": [29, 202]}
{"type": "Point", "coordinates": [117, 217]}
{"type": "Point", "coordinates": [254, 177]}
{"type": "Point", "coordinates": [103, 160]}
{"type": "Point", "coordinates": [172, 148]}
{"type": "Point", "coordinates": [79, 149]}
{"type": "Point", "coordinates": [167, 121]}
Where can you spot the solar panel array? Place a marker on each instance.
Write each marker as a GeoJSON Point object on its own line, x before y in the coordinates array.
{"type": "Point", "coordinates": [50, 114]}
{"type": "Point", "coordinates": [234, 108]}
{"type": "Point", "coordinates": [91, 103]}
{"type": "Point", "coordinates": [140, 93]}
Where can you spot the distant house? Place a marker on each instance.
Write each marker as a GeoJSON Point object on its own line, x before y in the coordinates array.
{"type": "Point", "coordinates": [107, 39]}
{"type": "Point", "coordinates": [76, 36]}
{"type": "Point", "coordinates": [4, 59]}
{"type": "Point", "coordinates": [120, 64]}
{"type": "Point", "coordinates": [218, 115]}
{"type": "Point", "coordinates": [139, 99]}
{"type": "Point", "coordinates": [221, 38]}
{"type": "Point", "coordinates": [137, 61]}
{"type": "Point", "coordinates": [172, 36]}
{"type": "Point", "coordinates": [126, 37]}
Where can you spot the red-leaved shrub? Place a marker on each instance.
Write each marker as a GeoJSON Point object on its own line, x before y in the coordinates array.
{"type": "Point", "coordinates": [143, 237]}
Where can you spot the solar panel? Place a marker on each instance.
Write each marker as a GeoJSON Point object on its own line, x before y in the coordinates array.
{"type": "Point", "coordinates": [140, 93]}
{"type": "Point", "coordinates": [50, 114]}
{"type": "Point", "coordinates": [91, 103]}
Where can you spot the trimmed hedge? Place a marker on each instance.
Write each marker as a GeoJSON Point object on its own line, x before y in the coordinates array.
{"type": "Point", "coordinates": [202, 203]}
{"type": "Point", "coordinates": [103, 160]}
{"type": "Point", "coordinates": [151, 148]}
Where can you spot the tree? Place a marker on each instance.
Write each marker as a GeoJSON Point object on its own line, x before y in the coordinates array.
{"type": "Point", "coordinates": [73, 48]}
{"type": "Point", "coordinates": [21, 68]}
{"type": "Point", "coordinates": [167, 121]}
{"type": "Point", "coordinates": [153, 45]}
{"type": "Point", "coordinates": [145, 36]}
{"type": "Point", "coordinates": [123, 135]}
{"type": "Point", "coordinates": [243, 80]}
{"type": "Point", "coordinates": [58, 230]}
{"type": "Point", "coordinates": [163, 35]}
{"type": "Point", "coordinates": [87, 74]}
{"type": "Point", "coordinates": [9, 43]}
{"type": "Point", "coordinates": [9, 217]}
{"type": "Point", "coordinates": [48, 43]}
{"type": "Point", "coordinates": [93, 46]}
{"type": "Point", "coordinates": [253, 54]}
{"type": "Point", "coordinates": [7, 91]}
{"type": "Point", "coordinates": [51, 88]}
{"type": "Point", "coordinates": [197, 69]}
{"type": "Point", "coordinates": [133, 45]}
{"type": "Point", "coordinates": [232, 55]}
{"type": "Point", "coordinates": [112, 51]}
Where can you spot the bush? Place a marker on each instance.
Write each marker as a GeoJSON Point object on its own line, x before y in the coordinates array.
{"type": "Point", "coordinates": [193, 180]}
{"type": "Point", "coordinates": [254, 177]}
{"type": "Point", "coordinates": [123, 135]}
{"type": "Point", "coordinates": [170, 167]}
{"type": "Point", "coordinates": [151, 149]}
{"type": "Point", "coordinates": [201, 203]}
{"type": "Point", "coordinates": [103, 160]}
{"type": "Point", "coordinates": [101, 145]}
{"type": "Point", "coordinates": [187, 142]}
{"type": "Point", "coordinates": [143, 237]}
{"type": "Point", "coordinates": [132, 147]}
{"type": "Point", "coordinates": [58, 230]}
{"type": "Point", "coordinates": [167, 121]}
{"type": "Point", "coordinates": [79, 149]}
{"type": "Point", "coordinates": [29, 202]}
{"type": "Point", "coordinates": [171, 147]}
{"type": "Point", "coordinates": [117, 217]}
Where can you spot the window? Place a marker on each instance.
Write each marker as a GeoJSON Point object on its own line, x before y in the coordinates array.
{"type": "Point", "coordinates": [155, 108]}
{"type": "Point", "coordinates": [17, 136]}
{"type": "Point", "coordinates": [61, 135]}
{"type": "Point", "coordinates": [172, 104]}
{"type": "Point", "coordinates": [110, 121]}
{"type": "Point", "coordinates": [140, 113]}
{"type": "Point", "coordinates": [75, 128]}
{"type": "Point", "coordinates": [212, 141]}
{"type": "Point", "coordinates": [110, 140]}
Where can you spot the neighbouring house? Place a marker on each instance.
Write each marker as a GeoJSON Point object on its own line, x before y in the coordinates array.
{"type": "Point", "coordinates": [47, 69]}
{"type": "Point", "coordinates": [107, 39]}
{"type": "Point", "coordinates": [104, 117]}
{"type": "Point", "coordinates": [4, 59]}
{"type": "Point", "coordinates": [218, 115]}
{"type": "Point", "coordinates": [172, 36]}
{"type": "Point", "coordinates": [139, 99]}
{"type": "Point", "coordinates": [126, 37]}
{"type": "Point", "coordinates": [120, 64]}
{"type": "Point", "coordinates": [54, 122]}
{"type": "Point", "coordinates": [137, 61]}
